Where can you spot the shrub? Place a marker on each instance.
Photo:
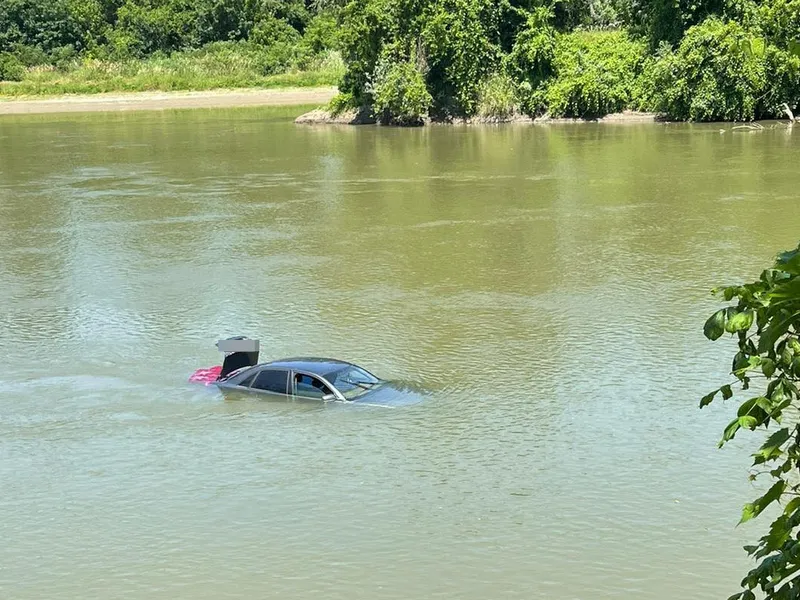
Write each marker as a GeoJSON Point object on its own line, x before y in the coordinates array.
{"type": "Point", "coordinates": [29, 56]}
{"type": "Point", "coordinates": [667, 20]}
{"type": "Point", "coordinates": [781, 21]}
{"type": "Point", "coordinates": [142, 30]}
{"type": "Point", "coordinates": [400, 96]}
{"type": "Point", "coordinates": [340, 103]}
{"type": "Point", "coordinates": [11, 69]}
{"type": "Point", "coordinates": [530, 62]}
{"type": "Point", "coordinates": [783, 82]}
{"type": "Point", "coordinates": [321, 34]}
{"type": "Point", "coordinates": [46, 24]}
{"type": "Point", "coordinates": [498, 98]}
{"type": "Point", "coordinates": [281, 44]}
{"type": "Point", "coordinates": [594, 73]}
{"type": "Point", "coordinates": [269, 31]}
{"type": "Point", "coordinates": [720, 71]}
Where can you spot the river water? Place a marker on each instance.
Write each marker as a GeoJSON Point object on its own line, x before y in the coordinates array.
{"type": "Point", "coordinates": [545, 286]}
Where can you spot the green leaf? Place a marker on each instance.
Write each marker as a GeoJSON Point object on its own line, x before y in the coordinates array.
{"type": "Point", "coordinates": [758, 46]}
{"type": "Point", "coordinates": [739, 362]}
{"type": "Point", "coordinates": [789, 261]}
{"type": "Point", "coordinates": [748, 405]}
{"type": "Point", "coordinates": [753, 509]}
{"type": "Point", "coordinates": [795, 368]}
{"type": "Point", "coordinates": [708, 398]}
{"type": "Point", "coordinates": [774, 330]}
{"type": "Point", "coordinates": [726, 392]}
{"type": "Point", "coordinates": [730, 431]}
{"type": "Point", "coordinates": [771, 448]}
{"type": "Point", "coordinates": [715, 325]}
{"type": "Point", "coordinates": [748, 421]}
{"type": "Point", "coordinates": [741, 321]}
{"type": "Point", "coordinates": [792, 506]}
{"type": "Point", "coordinates": [768, 367]}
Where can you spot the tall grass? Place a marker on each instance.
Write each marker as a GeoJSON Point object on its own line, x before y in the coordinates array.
{"type": "Point", "coordinates": [219, 66]}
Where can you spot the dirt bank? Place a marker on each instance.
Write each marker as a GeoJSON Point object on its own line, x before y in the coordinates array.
{"type": "Point", "coordinates": [167, 100]}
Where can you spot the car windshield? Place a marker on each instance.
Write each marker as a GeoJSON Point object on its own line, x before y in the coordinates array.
{"type": "Point", "coordinates": [352, 381]}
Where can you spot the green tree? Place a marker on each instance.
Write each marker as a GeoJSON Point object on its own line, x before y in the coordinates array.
{"type": "Point", "coordinates": [720, 71]}
{"type": "Point", "coordinates": [765, 321]}
{"type": "Point", "coordinates": [46, 24]}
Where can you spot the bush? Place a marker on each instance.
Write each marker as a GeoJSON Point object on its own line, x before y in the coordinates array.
{"type": "Point", "coordinates": [594, 73]}
{"type": "Point", "coordinates": [400, 96]}
{"type": "Point", "coordinates": [269, 31]}
{"type": "Point", "coordinates": [498, 98]}
{"type": "Point", "coordinates": [321, 34]}
{"type": "Point", "coordinates": [782, 84]}
{"type": "Point", "coordinates": [281, 43]}
{"type": "Point", "coordinates": [142, 30]}
{"type": "Point", "coordinates": [29, 56]}
{"type": "Point", "coordinates": [11, 69]}
{"type": "Point", "coordinates": [721, 72]}
{"type": "Point", "coordinates": [530, 62]}
{"type": "Point", "coordinates": [781, 21]}
{"type": "Point", "coordinates": [667, 20]}
{"type": "Point", "coordinates": [89, 17]}
{"type": "Point", "coordinates": [340, 103]}
{"type": "Point", "coordinates": [46, 24]}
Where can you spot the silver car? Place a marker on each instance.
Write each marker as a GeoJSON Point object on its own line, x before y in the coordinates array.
{"type": "Point", "coordinates": [324, 379]}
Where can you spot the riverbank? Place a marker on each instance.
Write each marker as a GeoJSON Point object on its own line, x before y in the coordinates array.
{"type": "Point", "coordinates": [322, 116]}
{"type": "Point", "coordinates": [168, 100]}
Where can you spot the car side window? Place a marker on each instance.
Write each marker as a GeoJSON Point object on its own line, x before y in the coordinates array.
{"type": "Point", "coordinates": [271, 380]}
{"type": "Point", "coordinates": [247, 381]}
{"type": "Point", "coordinates": [310, 387]}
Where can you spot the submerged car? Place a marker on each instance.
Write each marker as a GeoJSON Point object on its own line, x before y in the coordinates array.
{"type": "Point", "coordinates": [324, 379]}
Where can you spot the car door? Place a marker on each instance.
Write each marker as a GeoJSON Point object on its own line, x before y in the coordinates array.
{"type": "Point", "coordinates": [272, 381]}
{"type": "Point", "coordinates": [306, 385]}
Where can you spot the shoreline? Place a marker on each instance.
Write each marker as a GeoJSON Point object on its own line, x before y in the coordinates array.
{"type": "Point", "coordinates": [132, 101]}
{"type": "Point", "coordinates": [321, 116]}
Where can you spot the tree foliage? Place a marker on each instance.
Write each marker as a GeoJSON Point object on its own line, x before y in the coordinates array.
{"type": "Point", "coordinates": [400, 95]}
{"type": "Point", "coordinates": [594, 73]}
{"type": "Point", "coordinates": [689, 59]}
{"type": "Point", "coordinates": [765, 320]}
{"type": "Point", "coordinates": [722, 71]}
{"type": "Point", "coordinates": [46, 31]}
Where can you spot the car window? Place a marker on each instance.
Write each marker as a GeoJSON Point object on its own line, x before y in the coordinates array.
{"type": "Point", "coordinates": [247, 381]}
{"type": "Point", "coordinates": [352, 381]}
{"type": "Point", "coordinates": [271, 380]}
{"type": "Point", "coordinates": [310, 387]}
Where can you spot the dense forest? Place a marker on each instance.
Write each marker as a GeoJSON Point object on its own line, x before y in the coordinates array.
{"type": "Point", "coordinates": [407, 60]}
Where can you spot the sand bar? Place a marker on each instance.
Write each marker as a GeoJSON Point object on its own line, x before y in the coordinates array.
{"type": "Point", "coordinates": [167, 100]}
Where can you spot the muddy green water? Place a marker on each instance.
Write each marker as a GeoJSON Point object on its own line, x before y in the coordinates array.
{"type": "Point", "coordinates": [546, 285]}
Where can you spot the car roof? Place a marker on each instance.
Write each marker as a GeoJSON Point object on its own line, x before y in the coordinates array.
{"type": "Point", "coordinates": [316, 365]}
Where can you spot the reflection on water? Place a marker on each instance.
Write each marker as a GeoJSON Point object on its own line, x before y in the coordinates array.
{"type": "Point", "coordinates": [545, 286]}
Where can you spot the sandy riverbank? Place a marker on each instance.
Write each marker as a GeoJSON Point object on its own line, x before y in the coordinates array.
{"type": "Point", "coordinates": [167, 100]}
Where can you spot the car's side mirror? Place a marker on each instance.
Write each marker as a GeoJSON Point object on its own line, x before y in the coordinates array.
{"type": "Point", "coordinates": [329, 397]}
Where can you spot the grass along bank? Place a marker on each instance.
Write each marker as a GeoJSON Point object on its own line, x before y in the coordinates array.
{"type": "Point", "coordinates": [199, 70]}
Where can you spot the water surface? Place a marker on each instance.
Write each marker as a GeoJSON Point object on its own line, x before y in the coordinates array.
{"type": "Point", "coordinates": [546, 285]}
